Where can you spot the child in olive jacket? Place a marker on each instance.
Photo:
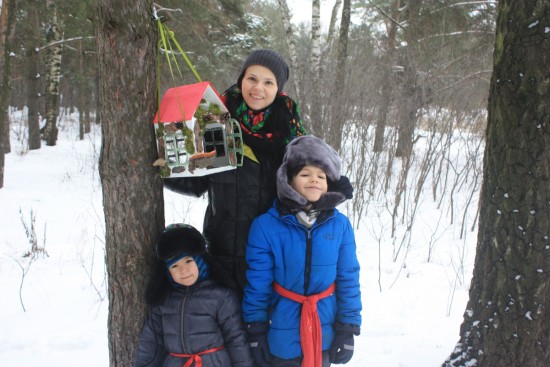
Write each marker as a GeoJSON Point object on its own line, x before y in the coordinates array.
{"type": "Point", "coordinates": [302, 303]}
{"type": "Point", "coordinates": [193, 320]}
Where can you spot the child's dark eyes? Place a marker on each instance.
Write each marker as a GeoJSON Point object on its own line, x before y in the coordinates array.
{"type": "Point", "coordinates": [321, 177]}
{"type": "Point", "coordinates": [189, 261]}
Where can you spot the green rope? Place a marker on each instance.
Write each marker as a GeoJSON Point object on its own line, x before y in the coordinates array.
{"type": "Point", "coordinates": [167, 42]}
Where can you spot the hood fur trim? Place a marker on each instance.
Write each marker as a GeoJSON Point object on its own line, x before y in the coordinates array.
{"type": "Point", "coordinates": [309, 150]}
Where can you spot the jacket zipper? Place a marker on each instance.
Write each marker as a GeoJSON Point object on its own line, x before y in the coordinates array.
{"type": "Point", "coordinates": [307, 269]}
{"type": "Point", "coordinates": [183, 304]}
{"type": "Point", "coordinates": [309, 248]}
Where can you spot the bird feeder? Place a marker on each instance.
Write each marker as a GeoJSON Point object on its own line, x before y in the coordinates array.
{"type": "Point", "coordinates": [195, 134]}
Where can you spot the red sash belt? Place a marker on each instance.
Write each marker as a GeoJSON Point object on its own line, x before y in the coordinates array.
{"type": "Point", "coordinates": [310, 326]}
{"type": "Point", "coordinates": [195, 357]}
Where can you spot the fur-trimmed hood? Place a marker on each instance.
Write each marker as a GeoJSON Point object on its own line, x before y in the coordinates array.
{"type": "Point", "coordinates": [309, 150]}
{"type": "Point", "coordinates": [180, 238]}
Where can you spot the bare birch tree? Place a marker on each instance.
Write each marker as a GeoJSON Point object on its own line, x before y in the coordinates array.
{"type": "Point", "coordinates": [53, 54]}
{"type": "Point", "coordinates": [291, 43]}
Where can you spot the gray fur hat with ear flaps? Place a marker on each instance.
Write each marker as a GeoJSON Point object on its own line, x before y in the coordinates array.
{"type": "Point", "coordinates": [309, 150]}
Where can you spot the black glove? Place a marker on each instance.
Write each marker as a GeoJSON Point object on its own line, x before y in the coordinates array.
{"type": "Point", "coordinates": [257, 339]}
{"type": "Point", "coordinates": [343, 186]}
{"type": "Point", "coordinates": [341, 349]}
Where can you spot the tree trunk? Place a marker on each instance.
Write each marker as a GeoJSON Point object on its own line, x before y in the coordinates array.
{"type": "Point", "coordinates": [507, 319]}
{"type": "Point", "coordinates": [316, 102]}
{"type": "Point", "coordinates": [339, 111]}
{"type": "Point", "coordinates": [407, 114]}
{"type": "Point", "coordinates": [53, 74]}
{"type": "Point", "coordinates": [97, 106]}
{"type": "Point", "coordinates": [81, 78]}
{"type": "Point", "coordinates": [6, 33]}
{"type": "Point", "coordinates": [132, 188]}
{"type": "Point", "coordinates": [291, 43]}
{"type": "Point", "coordinates": [410, 87]}
{"type": "Point", "coordinates": [386, 82]}
{"type": "Point", "coordinates": [32, 75]}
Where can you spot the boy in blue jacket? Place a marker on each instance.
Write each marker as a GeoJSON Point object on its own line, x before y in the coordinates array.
{"type": "Point", "coordinates": [302, 303]}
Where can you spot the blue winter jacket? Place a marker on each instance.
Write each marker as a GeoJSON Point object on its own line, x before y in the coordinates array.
{"type": "Point", "coordinates": [282, 250]}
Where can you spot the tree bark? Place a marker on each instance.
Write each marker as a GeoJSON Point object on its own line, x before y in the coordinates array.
{"type": "Point", "coordinates": [32, 58]}
{"type": "Point", "coordinates": [291, 43]}
{"type": "Point", "coordinates": [53, 73]}
{"type": "Point", "coordinates": [132, 188]}
{"type": "Point", "coordinates": [387, 85]}
{"type": "Point", "coordinates": [410, 95]}
{"type": "Point", "coordinates": [7, 26]}
{"type": "Point", "coordinates": [339, 111]}
{"type": "Point", "coordinates": [507, 319]}
{"type": "Point", "coordinates": [316, 102]}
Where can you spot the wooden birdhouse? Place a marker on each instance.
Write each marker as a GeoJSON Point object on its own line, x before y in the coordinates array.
{"type": "Point", "coordinates": [195, 134]}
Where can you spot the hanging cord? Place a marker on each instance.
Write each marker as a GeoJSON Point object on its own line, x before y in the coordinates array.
{"type": "Point", "coordinates": [166, 44]}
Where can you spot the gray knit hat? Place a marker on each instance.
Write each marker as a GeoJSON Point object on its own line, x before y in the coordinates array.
{"type": "Point", "coordinates": [269, 59]}
{"type": "Point", "coordinates": [309, 150]}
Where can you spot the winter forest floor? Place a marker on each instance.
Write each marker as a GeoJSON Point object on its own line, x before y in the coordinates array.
{"type": "Point", "coordinates": [54, 305]}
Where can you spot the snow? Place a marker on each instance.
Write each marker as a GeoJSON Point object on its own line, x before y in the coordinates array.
{"type": "Point", "coordinates": [54, 308]}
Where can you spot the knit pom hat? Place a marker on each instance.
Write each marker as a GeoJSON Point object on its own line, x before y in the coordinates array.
{"type": "Point", "coordinates": [309, 150]}
{"type": "Point", "coordinates": [269, 59]}
{"type": "Point", "coordinates": [180, 240]}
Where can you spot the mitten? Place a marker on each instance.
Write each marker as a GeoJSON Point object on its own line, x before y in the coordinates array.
{"type": "Point", "coordinates": [257, 339]}
{"type": "Point", "coordinates": [343, 185]}
{"type": "Point", "coordinates": [341, 349]}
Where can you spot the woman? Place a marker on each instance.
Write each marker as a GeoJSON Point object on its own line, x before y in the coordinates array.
{"type": "Point", "coordinates": [269, 120]}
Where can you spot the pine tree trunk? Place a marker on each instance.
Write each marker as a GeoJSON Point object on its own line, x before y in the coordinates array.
{"type": "Point", "coordinates": [80, 99]}
{"type": "Point", "coordinates": [32, 75]}
{"type": "Point", "coordinates": [410, 100]}
{"type": "Point", "coordinates": [6, 34]}
{"type": "Point", "coordinates": [507, 319]}
{"type": "Point", "coordinates": [132, 188]}
{"type": "Point", "coordinates": [386, 81]}
{"type": "Point", "coordinates": [339, 109]}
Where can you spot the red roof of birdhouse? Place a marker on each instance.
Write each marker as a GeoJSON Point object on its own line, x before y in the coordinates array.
{"type": "Point", "coordinates": [180, 103]}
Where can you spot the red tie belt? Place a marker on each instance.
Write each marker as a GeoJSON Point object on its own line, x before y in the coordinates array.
{"type": "Point", "coordinates": [195, 357]}
{"type": "Point", "coordinates": [310, 327]}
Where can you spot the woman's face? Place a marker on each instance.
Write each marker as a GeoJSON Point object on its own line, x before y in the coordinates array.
{"type": "Point", "coordinates": [259, 87]}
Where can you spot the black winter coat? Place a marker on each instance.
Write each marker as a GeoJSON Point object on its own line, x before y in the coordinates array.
{"type": "Point", "coordinates": [238, 196]}
{"type": "Point", "coordinates": [191, 320]}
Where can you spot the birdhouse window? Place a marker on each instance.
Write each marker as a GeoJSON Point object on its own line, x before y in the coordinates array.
{"type": "Point", "coordinates": [214, 140]}
{"type": "Point", "coordinates": [175, 149]}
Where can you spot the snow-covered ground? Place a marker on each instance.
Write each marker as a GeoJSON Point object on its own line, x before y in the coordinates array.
{"type": "Point", "coordinates": [54, 308]}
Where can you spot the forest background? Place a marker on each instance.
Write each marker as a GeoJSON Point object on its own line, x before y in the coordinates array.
{"type": "Point", "coordinates": [393, 85]}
